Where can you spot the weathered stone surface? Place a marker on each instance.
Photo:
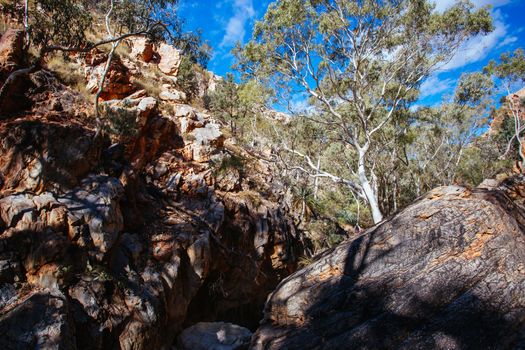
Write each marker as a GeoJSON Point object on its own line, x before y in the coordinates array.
{"type": "Point", "coordinates": [141, 240]}
{"type": "Point", "coordinates": [170, 59]}
{"type": "Point", "coordinates": [117, 84]}
{"type": "Point", "coordinates": [137, 104]}
{"type": "Point", "coordinates": [96, 203]}
{"type": "Point", "coordinates": [208, 140]}
{"type": "Point", "coordinates": [39, 322]}
{"type": "Point", "coordinates": [172, 96]}
{"type": "Point", "coordinates": [213, 82]}
{"type": "Point", "coordinates": [32, 159]}
{"type": "Point", "coordinates": [445, 273]}
{"type": "Point", "coordinates": [142, 49]}
{"type": "Point", "coordinates": [11, 50]}
{"type": "Point", "coordinates": [215, 336]}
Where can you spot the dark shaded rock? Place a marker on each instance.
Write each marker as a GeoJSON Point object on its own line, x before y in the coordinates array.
{"type": "Point", "coordinates": [12, 96]}
{"type": "Point", "coordinates": [96, 202]}
{"type": "Point", "coordinates": [8, 295]}
{"type": "Point", "coordinates": [34, 155]}
{"type": "Point", "coordinates": [445, 273]}
{"type": "Point", "coordinates": [215, 336]}
{"type": "Point", "coordinates": [39, 322]}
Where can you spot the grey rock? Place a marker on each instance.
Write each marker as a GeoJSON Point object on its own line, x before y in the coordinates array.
{"type": "Point", "coordinates": [215, 336]}
{"type": "Point", "coordinates": [208, 140]}
{"type": "Point", "coordinates": [96, 202]}
{"type": "Point", "coordinates": [8, 295]}
{"type": "Point", "coordinates": [39, 322]}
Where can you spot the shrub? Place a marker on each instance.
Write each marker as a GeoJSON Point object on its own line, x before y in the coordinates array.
{"type": "Point", "coordinates": [120, 121]}
{"type": "Point", "coordinates": [186, 78]}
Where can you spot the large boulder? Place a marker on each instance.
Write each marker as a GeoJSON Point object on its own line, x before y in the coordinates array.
{"type": "Point", "coordinates": [215, 336]}
{"type": "Point", "coordinates": [117, 84]}
{"type": "Point", "coordinates": [445, 273]}
{"type": "Point", "coordinates": [137, 108]}
{"type": "Point", "coordinates": [170, 59]}
{"type": "Point", "coordinates": [172, 96]}
{"type": "Point", "coordinates": [208, 140]}
{"type": "Point", "coordinates": [142, 49]}
{"type": "Point", "coordinates": [39, 322]}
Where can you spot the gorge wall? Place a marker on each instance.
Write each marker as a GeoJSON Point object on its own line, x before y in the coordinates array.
{"type": "Point", "coordinates": [121, 242]}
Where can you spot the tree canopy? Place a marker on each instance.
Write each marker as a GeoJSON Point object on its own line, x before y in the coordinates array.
{"type": "Point", "coordinates": [360, 62]}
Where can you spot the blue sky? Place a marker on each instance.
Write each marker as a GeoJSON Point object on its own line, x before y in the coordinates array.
{"type": "Point", "coordinates": [225, 22]}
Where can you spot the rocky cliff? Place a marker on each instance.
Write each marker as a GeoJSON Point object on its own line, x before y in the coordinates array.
{"type": "Point", "coordinates": [445, 273]}
{"type": "Point", "coordinates": [164, 228]}
{"type": "Point", "coordinates": [124, 240]}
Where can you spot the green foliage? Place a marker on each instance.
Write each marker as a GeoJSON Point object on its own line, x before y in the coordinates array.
{"type": "Point", "coordinates": [229, 162]}
{"type": "Point", "coordinates": [187, 78]}
{"type": "Point", "coordinates": [54, 22]}
{"type": "Point", "coordinates": [121, 121]}
{"type": "Point", "coordinates": [481, 161]}
{"type": "Point", "coordinates": [473, 88]}
{"type": "Point", "coordinates": [240, 106]}
{"type": "Point", "coordinates": [324, 234]}
{"type": "Point", "coordinates": [361, 64]}
{"type": "Point", "coordinates": [511, 66]}
{"type": "Point", "coordinates": [509, 72]}
{"type": "Point", "coordinates": [224, 102]}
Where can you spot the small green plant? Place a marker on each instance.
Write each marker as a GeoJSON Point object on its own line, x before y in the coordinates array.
{"type": "Point", "coordinates": [306, 260]}
{"type": "Point", "coordinates": [99, 273]}
{"type": "Point", "coordinates": [121, 121]}
{"type": "Point", "coordinates": [229, 162]}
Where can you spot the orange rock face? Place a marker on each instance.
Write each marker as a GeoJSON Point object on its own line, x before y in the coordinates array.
{"type": "Point", "coordinates": [117, 84]}
{"type": "Point", "coordinates": [11, 53]}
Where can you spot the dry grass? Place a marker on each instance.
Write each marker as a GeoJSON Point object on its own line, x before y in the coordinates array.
{"type": "Point", "coordinates": [152, 87]}
{"type": "Point", "coordinates": [70, 73]}
{"type": "Point", "coordinates": [150, 79]}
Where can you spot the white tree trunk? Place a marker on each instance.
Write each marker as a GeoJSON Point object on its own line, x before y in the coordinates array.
{"type": "Point", "coordinates": [371, 195]}
{"type": "Point", "coordinates": [316, 181]}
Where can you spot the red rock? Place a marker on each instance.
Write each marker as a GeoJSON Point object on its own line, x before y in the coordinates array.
{"type": "Point", "coordinates": [11, 50]}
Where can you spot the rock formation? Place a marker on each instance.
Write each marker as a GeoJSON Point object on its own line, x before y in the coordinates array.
{"type": "Point", "coordinates": [124, 240]}
{"type": "Point", "coordinates": [445, 273]}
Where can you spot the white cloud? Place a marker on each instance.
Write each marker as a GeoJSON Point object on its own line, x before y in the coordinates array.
{"type": "Point", "coordinates": [236, 27]}
{"type": "Point", "coordinates": [433, 85]}
{"type": "Point", "coordinates": [508, 40]}
{"type": "Point", "coordinates": [478, 47]}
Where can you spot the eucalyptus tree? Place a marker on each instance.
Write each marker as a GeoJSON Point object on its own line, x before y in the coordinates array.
{"type": "Point", "coordinates": [360, 62]}
{"type": "Point", "coordinates": [509, 73]}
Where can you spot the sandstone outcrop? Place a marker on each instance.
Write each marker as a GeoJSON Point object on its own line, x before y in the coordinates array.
{"type": "Point", "coordinates": [117, 84]}
{"type": "Point", "coordinates": [33, 155]}
{"type": "Point", "coordinates": [129, 239]}
{"type": "Point", "coordinates": [445, 273]}
{"type": "Point", "coordinates": [142, 49]}
{"type": "Point", "coordinates": [170, 59]}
